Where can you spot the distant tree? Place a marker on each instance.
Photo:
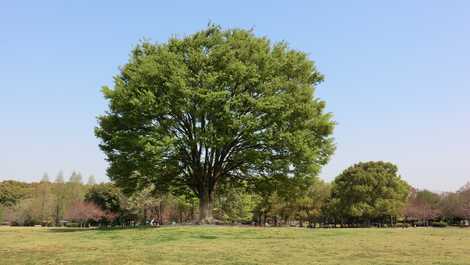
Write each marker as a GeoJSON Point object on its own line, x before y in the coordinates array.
{"type": "Point", "coordinates": [465, 204]}
{"type": "Point", "coordinates": [145, 204]}
{"type": "Point", "coordinates": [75, 190]}
{"type": "Point", "coordinates": [32, 203]}
{"type": "Point", "coordinates": [25, 213]}
{"type": "Point", "coordinates": [280, 198]}
{"type": "Point", "coordinates": [106, 196]}
{"type": "Point", "coordinates": [60, 177]}
{"type": "Point", "coordinates": [449, 207]}
{"type": "Point", "coordinates": [83, 212]}
{"type": "Point", "coordinates": [455, 206]}
{"type": "Point", "coordinates": [109, 217]}
{"type": "Point", "coordinates": [180, 208]}
{"type": "Point", "coordinates": [13, 191]}
{"type": "Point", "coordinates": [465, 187]}
{"type": "Point", "coordinates": [309, 206]}
{"type": "Point", "coordinates": [91, 180]}
{"type": "Point", "coordinates": [43, 202]}
{"type": "Point", "coordinates": [60, 194]}
{"type": "Point", "coordinates": [369, 191]}
{"type": "Point", "coordinates": [269, 207]}
{"type": "Point", "coordinates": [235, 204]}
{"type": "Point", "coordinates": [213, 107]}
{"type": "Point", "coordinates": [76, 177]}
{"type": "Point", "coordinates": [284, 205]}
{"type": "Point", "coordinates": [45, 178]}
{"type": "Point", "coordinates": [423, 206]}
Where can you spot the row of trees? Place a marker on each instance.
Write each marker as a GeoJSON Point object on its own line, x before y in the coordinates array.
{"type": "Point", "coordinates": [60, 202]}
{"type": "Point", "coordinates": [425, 207]}
{"type": "Point", "coordinates": [225, 115]}
{"type": "Point", "coordinates": [365, 194]}
{"type": "Point", "coordinates": [227, 123]}
{"type": "Point", "coordinates": [44, 202]}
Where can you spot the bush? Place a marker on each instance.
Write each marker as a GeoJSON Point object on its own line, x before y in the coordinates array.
{"type": "Point", "coordinates": [439, 224]}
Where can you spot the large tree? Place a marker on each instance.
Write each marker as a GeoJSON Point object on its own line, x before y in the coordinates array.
{"type": "Point", "coordinates": [213, 107]}
{"type": "Point", "coordinates": [368, 191]}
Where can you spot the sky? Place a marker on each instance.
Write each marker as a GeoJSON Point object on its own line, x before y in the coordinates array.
{"type": "Point", "coordinates": [397, 77]}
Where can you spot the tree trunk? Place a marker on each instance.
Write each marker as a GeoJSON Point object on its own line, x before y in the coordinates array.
{"type": "Point", "coordinates": [160, 211]}
{"type": "Point", "coordinates": [145, 216]}
{"type": "Point", "coordinates": [205, 207]}
{"type": "Point", "coordinates": [57, 218]}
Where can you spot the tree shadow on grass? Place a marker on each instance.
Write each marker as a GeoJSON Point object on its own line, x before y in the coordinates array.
{"type": "Point", "coordinates": [69, 229]}
{"type": "Point", "coordinates": [100, 229]}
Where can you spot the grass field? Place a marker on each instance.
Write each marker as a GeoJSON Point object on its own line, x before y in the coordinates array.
{"type": "Point", "coordinates": [235, 245]}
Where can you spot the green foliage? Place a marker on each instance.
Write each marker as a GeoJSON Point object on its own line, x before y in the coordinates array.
{"type": "Point", "coordinates": [60, 194]}
{"type": "Point", "coordinates": [428, 197]}
{"type": "Point", "coordinates": [40, 203]}
{"type": "Point", "coordinates": [218, 106]}
{"type": "Point", "coordinates": [74, 189]}
{"type": "Point", "coordinates": [2, 210]}
{"type": "Point", "coordinates": [366, 191]}
{"type": "Point", "coordinates": [12, 191]}
{"type": "Point", "coordinates": [76, 178]}
{"type": "Point", "coordinates": [145, 204]}
{"type": "Point", "coordinates": [439, 224]}
{"type": "Point", "coordinates": [235, 204]}
{"type": "Point", "coordinates": [285, 204]}
{"type": "Point", "coordinates": [309, 206]}
{"type": "Point", "coordinates": [106, 196]}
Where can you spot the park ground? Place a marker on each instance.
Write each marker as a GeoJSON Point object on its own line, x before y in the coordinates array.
{"type": "Point", "coordinates": [235, 245]}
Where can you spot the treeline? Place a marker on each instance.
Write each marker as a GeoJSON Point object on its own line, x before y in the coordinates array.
{"type": "Point", "coordinates": [44, 202]}
{"type": "Point", "coordinates": [366, 194]}
{"type": "Point", "coordinates": [426, 208]}
{"type": "Point", "coordinates": [74, 203]}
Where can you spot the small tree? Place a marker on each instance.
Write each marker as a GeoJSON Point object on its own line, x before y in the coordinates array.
{"type": "Point", "coordinates": [107, 196]}
{"type": "Point", "coordinates": [145, 204]}
{"type": "Point", "coordinates": [423, 206]}
{"type": "Point", "coordinates": [309, 207]}
{"type": "Point", "coordinates": [74, 190]}
{"type": "Point", "coordinates": [60, 196]}
{"type": "Point", "coordinates": [83, 212]}
{"type": "Point", "coordinates": [43, 201]}
{"type": "Point", "coordinates": [110, 199]}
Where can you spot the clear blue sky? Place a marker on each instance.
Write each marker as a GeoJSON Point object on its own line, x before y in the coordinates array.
{"type": "Point", "coordinates": [397, 76]}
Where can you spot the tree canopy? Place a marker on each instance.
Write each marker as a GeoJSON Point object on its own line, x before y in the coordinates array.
{"type": "Point", "coordinates": [368, 191]}
{"type": "Point", "coordinates": [12, 191]}
{"type": "Point", "coordinates": [213, 107]}
{"type": "Point", "coordinates": [106, 196]}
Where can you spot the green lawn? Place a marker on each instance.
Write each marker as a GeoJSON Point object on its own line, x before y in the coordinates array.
{"type": "Point", "coordinates": [235, 245]}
